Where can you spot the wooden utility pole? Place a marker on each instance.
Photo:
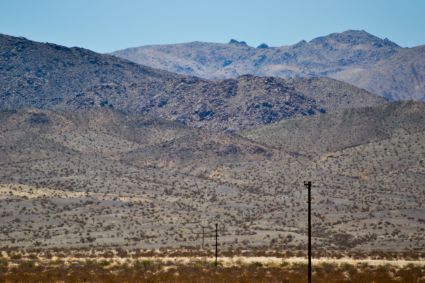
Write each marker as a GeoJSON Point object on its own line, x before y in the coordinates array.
{"type": "Point", "coordinates": [203, 236]}
{"type": "Point", "coordinates": [308, 185]}
{"type": "Point", "coordinates": [216, 244]}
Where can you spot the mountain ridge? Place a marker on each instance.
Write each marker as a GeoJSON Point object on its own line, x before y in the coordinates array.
{"type": "Point", "coordinates": [50, 76]}
{"type": "Point", "coordinates": [346, 56]}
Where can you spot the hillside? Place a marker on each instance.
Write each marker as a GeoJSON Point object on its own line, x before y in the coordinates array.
{"type": "Point", "coordinates": [79, 160]}
{"type": "Point", "coordinates": [342, 129]}
{"type": "Point", "coordinates": [103, 178]}
{"type": "Point", "coordinates": [400, 77]}
{"type": "Point", "coordinates": [353, 56]}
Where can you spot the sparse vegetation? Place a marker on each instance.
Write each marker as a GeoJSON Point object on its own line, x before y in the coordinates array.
{"type": "Point", "coordinates": [195, 269]}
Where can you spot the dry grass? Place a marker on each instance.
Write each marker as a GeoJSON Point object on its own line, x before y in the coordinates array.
{"type": "Point", "coordinates": [123, 266]}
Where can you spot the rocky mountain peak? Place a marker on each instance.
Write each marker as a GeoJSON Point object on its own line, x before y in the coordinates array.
{"type": "Point", "coordinates": [236, 42]}
{"type": "Point", "coordinates": [353, 38]}
{"type": "Point", "coordinates": [263, 46]}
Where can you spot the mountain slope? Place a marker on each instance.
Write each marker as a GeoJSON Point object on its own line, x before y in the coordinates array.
{"type": "Point", "coordinates": [99, 178]}
{"type": "Point", "coordinates": [103, 164]}
{"type": "Point", "coordinates": [50, 76]}
{"type": "Point", "coordinates": [333, 95]}
{"type": "Point", "coordinates": [342, 129]}
{"type": "Point", "coordinates": [111, 134]}
{"type": "Point", "coordinates": [353, 56]}
{"type": "Point", "coordinates": [401, 76]}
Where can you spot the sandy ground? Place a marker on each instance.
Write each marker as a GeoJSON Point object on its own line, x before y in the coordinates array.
{"type": "Point", "coordinates": [239, 260]}
{"type": "Point", "coordinates": [21, 190]}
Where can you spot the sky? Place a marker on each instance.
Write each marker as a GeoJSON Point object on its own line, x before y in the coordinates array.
{"type": "Point", "coordinates": [109, 25]}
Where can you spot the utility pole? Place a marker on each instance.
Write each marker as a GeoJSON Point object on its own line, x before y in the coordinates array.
{"type": "Point", "coordinates": [308, 186]}
{"type": "Point", "coordinates": [216, 244]}
{"type": "Point", "coordinates": [203, 236]}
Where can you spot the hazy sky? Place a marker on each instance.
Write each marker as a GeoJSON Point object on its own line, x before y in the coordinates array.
{"type": "Point", "coordinates": [108, 25]}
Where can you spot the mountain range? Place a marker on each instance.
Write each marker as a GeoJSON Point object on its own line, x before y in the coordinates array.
{"type": "Point", "coordinates": [354, 56]}
{"type": "Point", "coordinates": [44, 75]}
{"type": "Point", "coordinates": [98, 151]}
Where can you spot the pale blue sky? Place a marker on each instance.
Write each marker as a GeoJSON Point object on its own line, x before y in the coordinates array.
{"type": "Point", "coordinates": [108, 25]}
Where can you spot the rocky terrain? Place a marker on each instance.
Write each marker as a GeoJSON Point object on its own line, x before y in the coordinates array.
{"type": "Point", "coordinates": [97, 151]}
{"type": "Point", "coordinates": [354, 56]}
{"type": "Point", "coordinates": [50, 76]}
{"type": "Point", "coordinates": [101, 178]}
